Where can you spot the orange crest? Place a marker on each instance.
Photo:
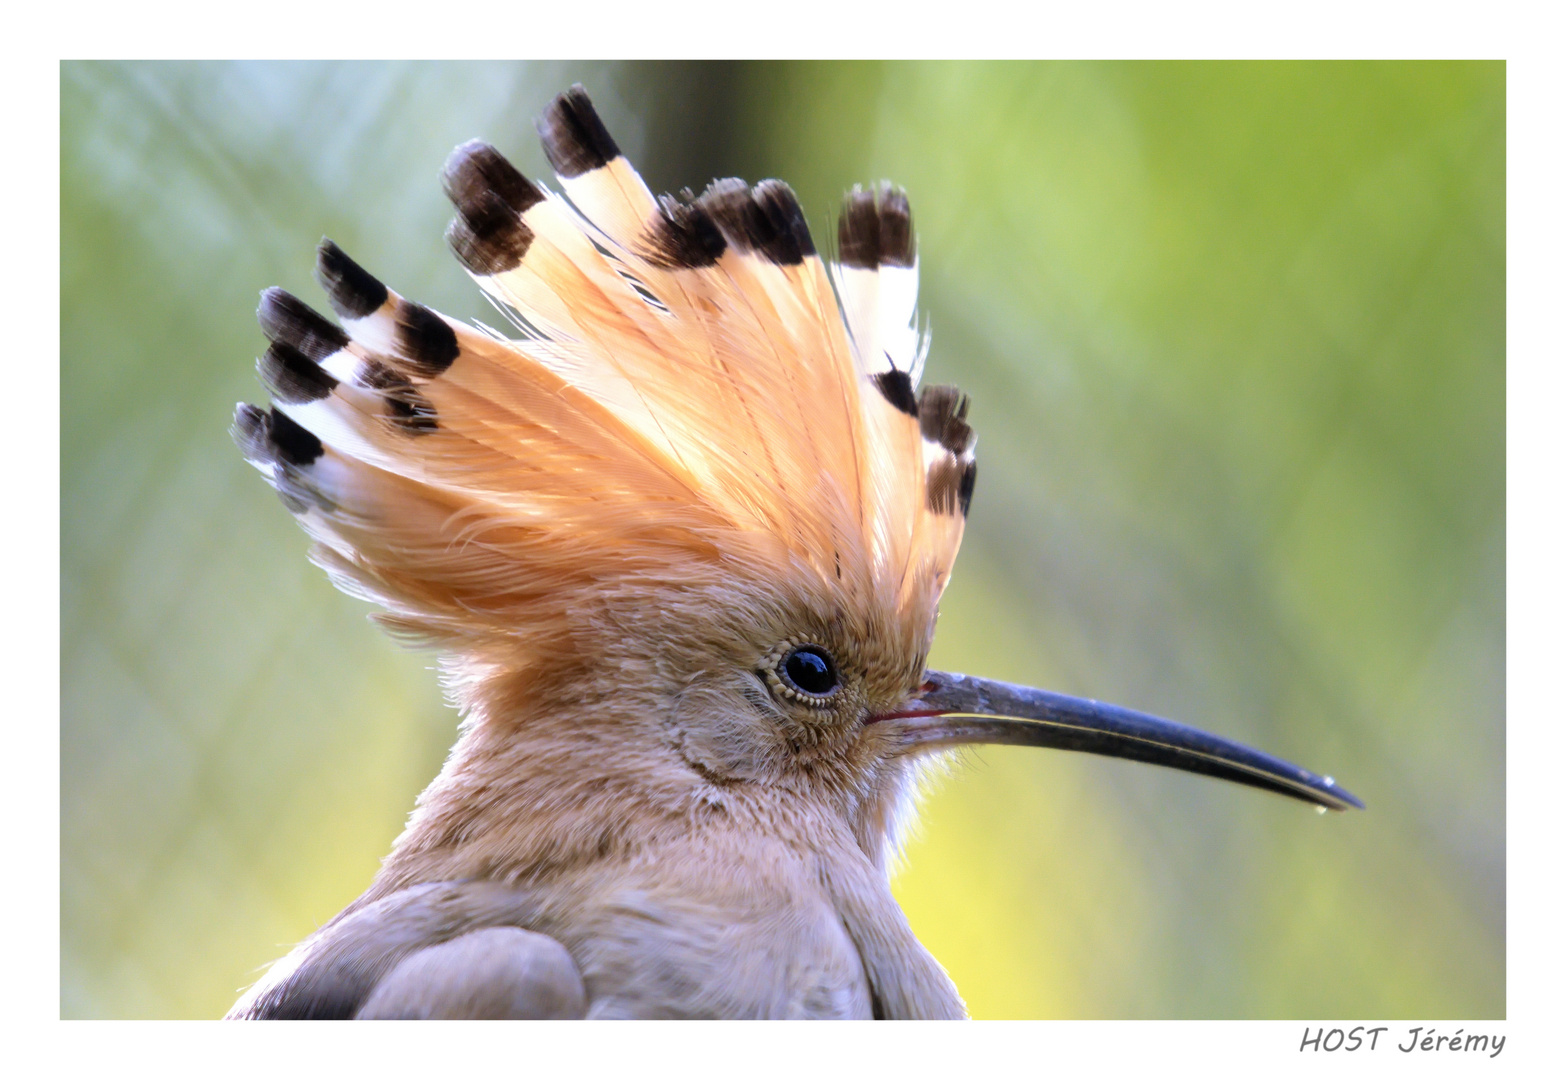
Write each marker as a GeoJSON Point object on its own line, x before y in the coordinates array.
{"type": "Point", "coordinates": [693, 396]}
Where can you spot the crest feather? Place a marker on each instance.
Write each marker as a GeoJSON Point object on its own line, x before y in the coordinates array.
{"type": "Point", "coordinates": [693, 395]}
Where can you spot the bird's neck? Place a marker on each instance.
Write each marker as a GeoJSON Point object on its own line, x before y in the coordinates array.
{"type": "Point", "coordinates": [536, 788]}
{"type": "Point", "coordinates": [553, 793]}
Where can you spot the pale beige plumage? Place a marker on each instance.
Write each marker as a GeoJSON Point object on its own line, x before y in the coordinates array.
{"type": "Point", "coordinates": [680, 545]}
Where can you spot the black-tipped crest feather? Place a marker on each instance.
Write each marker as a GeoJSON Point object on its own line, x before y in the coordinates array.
{"type": "Point", "coordinates": [876, 229]}
{"type": "Point", "coordinates": [351, 290]}
{"type": "Point", "coordinates": [766, 219]}
{"type": "Point", "coordinates": [488, 235]}
{"type": "Point", "coordinates": [291, 377]}
{"type": "Point", "coordinates": [250, 432]}
{"type": "Point", "coordinates": [476, 169]}
{"type": "Point", "coordinates": [491, 240]}
{"type": "Point", "coordinates": [575, 139]}
{"type": "Point", "coordinates": [294, 445]}
{"type": "Point", "coordinates": [683, 236]}
{"type": "Point", "coordinates": [898, 389]}
{"type": "Point", "coordinates": [949, 487]}
{"type": "Point", "coordinates": [287, 319]}
{"type": "Point", "coordinates": [943, 412]}
{"type": "Point", "coordinates": [427, 343]}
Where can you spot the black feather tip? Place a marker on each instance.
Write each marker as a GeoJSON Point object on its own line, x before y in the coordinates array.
{"type": "Point", "coordinates": [287, 319]}
{"type": "Point", "coordinates": [575, 139]}
{"type": "Point", "coordinates": [943, 415]}
{"type": "Point", "coordinates": [683, 235]}
{"type": "Point", "coordinates": [765, 220]}
{"type": "Point", "coordinates": [351, 290]}
{"type": "Point", "coordinates": [897, 388]}
{"type": "Point", "coordinates": [292, 377]}
{"type": "Point", "coordinates": [490, 195]}
{"type": "Point", "coordinates": [876, 229]}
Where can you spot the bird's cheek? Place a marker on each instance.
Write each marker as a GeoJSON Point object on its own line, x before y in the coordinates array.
{"type": "Point", "coordinates": [724, 741]}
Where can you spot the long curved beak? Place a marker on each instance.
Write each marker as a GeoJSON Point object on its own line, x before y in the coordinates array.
{"type": "Point", "coordinates": [957, 710]}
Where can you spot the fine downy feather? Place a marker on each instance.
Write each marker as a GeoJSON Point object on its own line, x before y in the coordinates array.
{"type": "Point", "coordinates": [690, 399]}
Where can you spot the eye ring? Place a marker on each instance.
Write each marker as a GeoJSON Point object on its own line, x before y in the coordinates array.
{"type": "Point", "coordinates": [805, 673]}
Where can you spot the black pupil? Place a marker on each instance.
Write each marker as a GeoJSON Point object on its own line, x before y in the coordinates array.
{"type": "Point", "coordinates": [809, 669]}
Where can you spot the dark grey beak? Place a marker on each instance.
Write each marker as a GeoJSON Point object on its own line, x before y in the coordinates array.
{"type": "Point", "coordinates": [957, 710]}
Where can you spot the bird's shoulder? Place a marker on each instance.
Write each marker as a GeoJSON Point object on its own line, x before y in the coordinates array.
{"type": "Point", "coordinates": [448, 950]}
{"type": "Point", "coordinates": [498, 973]}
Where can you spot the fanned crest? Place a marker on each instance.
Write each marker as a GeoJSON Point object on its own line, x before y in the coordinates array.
{"type": "Point", "coordinates": [693, 397]}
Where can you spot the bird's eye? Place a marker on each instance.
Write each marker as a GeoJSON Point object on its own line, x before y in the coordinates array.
{"type": "Point", "coordinates": [807, 672]}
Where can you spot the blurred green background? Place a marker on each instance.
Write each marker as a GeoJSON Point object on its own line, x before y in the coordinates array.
{"type": "Point", "coordinates": [1235, 337]}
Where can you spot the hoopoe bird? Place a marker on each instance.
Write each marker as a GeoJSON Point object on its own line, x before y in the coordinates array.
{"type": "Point", "coordinates": [679, 543]}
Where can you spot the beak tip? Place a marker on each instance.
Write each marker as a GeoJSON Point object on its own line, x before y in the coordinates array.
{"type": "Point", "coordinates": [1342, 798]}
{"type": "Point", "coordinates": [1351, 802]}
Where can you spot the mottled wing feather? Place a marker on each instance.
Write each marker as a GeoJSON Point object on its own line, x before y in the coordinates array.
{"type": "Point", "coordinates": [499, 973]}
{"type": "Point", "coordinates": [336, 971]}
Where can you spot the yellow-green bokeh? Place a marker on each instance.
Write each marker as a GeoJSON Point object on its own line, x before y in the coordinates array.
{"type": "Point", "coordinates": [1235, 338]}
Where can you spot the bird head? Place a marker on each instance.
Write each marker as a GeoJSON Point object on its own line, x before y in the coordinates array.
{"type": "Point", "coordinates": [690, 519]}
